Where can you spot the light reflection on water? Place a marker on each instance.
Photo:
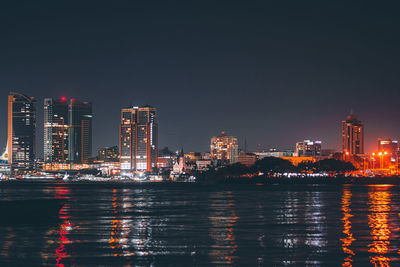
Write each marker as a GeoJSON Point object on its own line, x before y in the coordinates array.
{"type": "Point", "coordinates": [189, 225]}
{"type": "Point", "coordinates": [348, 239]}
{"type": "Point", "coordinates": [379, 207]}
{"type": "Point", "coordinates": [223, 219]}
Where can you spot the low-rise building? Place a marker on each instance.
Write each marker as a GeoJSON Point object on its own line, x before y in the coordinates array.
{"type": "Point", "coordinates": [308, 148]}
{"type": "Point", "coordinates": [203, 165]}
{"type": "Point", "coordinates": [247, 159]}
{"type": "Point", "coordinates": [193, 156]}
{"type": "Point", "coordinates": [108, 154]}
{"type": "Point", "coordinates": [274, 153]}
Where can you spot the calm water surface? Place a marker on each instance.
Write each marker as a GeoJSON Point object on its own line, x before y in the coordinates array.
{"type": "Point", "coordinates": [192, 225]}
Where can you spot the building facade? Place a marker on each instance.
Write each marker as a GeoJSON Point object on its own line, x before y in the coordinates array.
{"type": "Point", "coordinates": [274, 153]}
{"type": "Point", "coordinates": [55, 130]}
{"type": "Point", "coordinates": [352, 136]}
{"type": "Point", "coordinates": [388, 145]}
{"type": "Point", "coordinates": [108, 154]}
{"type": "Point", "coordinates": [247, 159]}
{"type": "Point", "coordinates": [79, 131]}
{"type": "Point", "coordinates": [21, 142]}
{"type": "Point", "coordinates": [138, 139]}
{"type": "Point", "coordinates": [224, 148]}
{"type": "Point", "coordinates": [308, 148]}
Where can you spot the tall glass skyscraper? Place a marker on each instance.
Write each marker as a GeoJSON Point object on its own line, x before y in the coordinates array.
{"type": "Point", "coordinates": [138, 139]}
{"type": "Point", "coordinates": [55, 130]}
{"type": "Point", "coordinates": [79, 131]}
{"type": "Point", "coordinates": [21, 131]}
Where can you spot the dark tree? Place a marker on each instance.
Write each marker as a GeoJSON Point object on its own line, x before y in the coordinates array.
{"type": "Point", "coordinates": [269, 165]}
{"type": "Point", "coordinates": [334, 166]}
{"type": "Point", "coordinates": [306, 166]}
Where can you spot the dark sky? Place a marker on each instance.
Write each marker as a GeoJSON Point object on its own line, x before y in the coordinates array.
{"type": "Point", "coordinates": [273, 73]}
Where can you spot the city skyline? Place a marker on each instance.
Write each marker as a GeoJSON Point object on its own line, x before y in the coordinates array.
{"type": "Point", "coordinates": [40, 145]}
{"type": "Point", "coordinates": [295, 70]}
{"type": "Point", "coordinates": [199, 133]}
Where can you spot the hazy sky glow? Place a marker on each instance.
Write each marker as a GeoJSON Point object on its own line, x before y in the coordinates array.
{"type": "Point", "coordinates": [273, 73]}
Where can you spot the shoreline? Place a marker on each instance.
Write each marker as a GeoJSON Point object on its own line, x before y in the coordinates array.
{"type": "Point", "coordinates": [392, 180]}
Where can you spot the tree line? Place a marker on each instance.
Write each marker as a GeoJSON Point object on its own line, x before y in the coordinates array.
{"type": "Point", "coordinates": [272, 166]}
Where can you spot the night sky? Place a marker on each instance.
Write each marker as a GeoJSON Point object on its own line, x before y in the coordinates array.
{"type": "Point", "coordinates": [273, 73]}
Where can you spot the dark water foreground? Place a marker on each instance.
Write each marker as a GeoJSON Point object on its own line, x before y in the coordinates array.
{"type": "Point", "coordinates": [197, 225]}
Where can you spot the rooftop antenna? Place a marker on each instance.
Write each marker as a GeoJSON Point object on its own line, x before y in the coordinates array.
{"type": "Point", "coordinates": [351, 111]}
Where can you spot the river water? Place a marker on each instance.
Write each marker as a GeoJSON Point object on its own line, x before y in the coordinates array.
{"type": "Point", "coordinates": [194, 225]}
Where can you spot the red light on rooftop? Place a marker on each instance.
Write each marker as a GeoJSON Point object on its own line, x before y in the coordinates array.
{"type": "Point", "coordinates": [72, 99]}
{"type": "Point", "coordinates": [63, 98]}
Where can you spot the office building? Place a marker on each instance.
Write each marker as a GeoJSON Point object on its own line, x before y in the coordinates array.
{"type": "Point", "coordinates": [224, 148]}
{"type": "Point", "coordinates": [55, 130]}
{"type": "Point", "coordinates": [21, 132]}
{"type": "Point", "coordinates": [108, 154]}
{"type": "Point", "coordinates": [352, 136]}
{"type": "Point", "coordinates": [79, 131]}
{"type": "Point", "coordinates": [308, 148]}
{"type": "Point", "coordinates": [138, 139]}
{"type": "Point", "coordinates": [387, 145]}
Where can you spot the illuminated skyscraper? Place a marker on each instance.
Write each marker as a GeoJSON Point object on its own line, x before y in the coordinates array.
{"type": "Point", "coordinates": [127, 137]}
{"type": "Point", "coordinates": [147, 139]}
{"type": "Point", "coordinates": [224, 148]}
{"type": "Point", "coordinates": [352, 136]}
{"type": "Point", "coordinates": [79, 131]}
{"type": "Point", "coordinates": [55, 130]}
{"type": "Point", "coordinates": [21, 131]}
{"type": "Point", "coordinates": [138, 139]}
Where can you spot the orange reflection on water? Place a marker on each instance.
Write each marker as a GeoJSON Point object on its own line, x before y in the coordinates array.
{"type": "Point", "coordinates": [116, 227]}
{"type": "Point", "coordinates": [378, 221]}
{"type": "Point", "coordinates": [349, 239]}
{"type": "Point", "coordinates": [229, 230]}
{"type": "Point", "coordinates": [223, 219]}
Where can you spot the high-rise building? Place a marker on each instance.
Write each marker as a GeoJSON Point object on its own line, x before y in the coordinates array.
{"type": "Point", "coordinates": [138, 139]}
{"type": "Point", "coordinates": [55, 130]}
{"type": "Point", "coordinates": [127, 137]}
{"type": "Point", "coordinates": [388, 145]}
{"type": "Point", "coordinates": [224, 148]}
{"type": "Point", "coordinates": [147, 139]}
{"type": "Point", "coordinates": [352, 136]}
{"type": "Point", "coordinates": [79, 131]}
{"type": "Point", "coordinates": [21, 131]}
{"type": "Point", "coordinates": [308, 148]}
